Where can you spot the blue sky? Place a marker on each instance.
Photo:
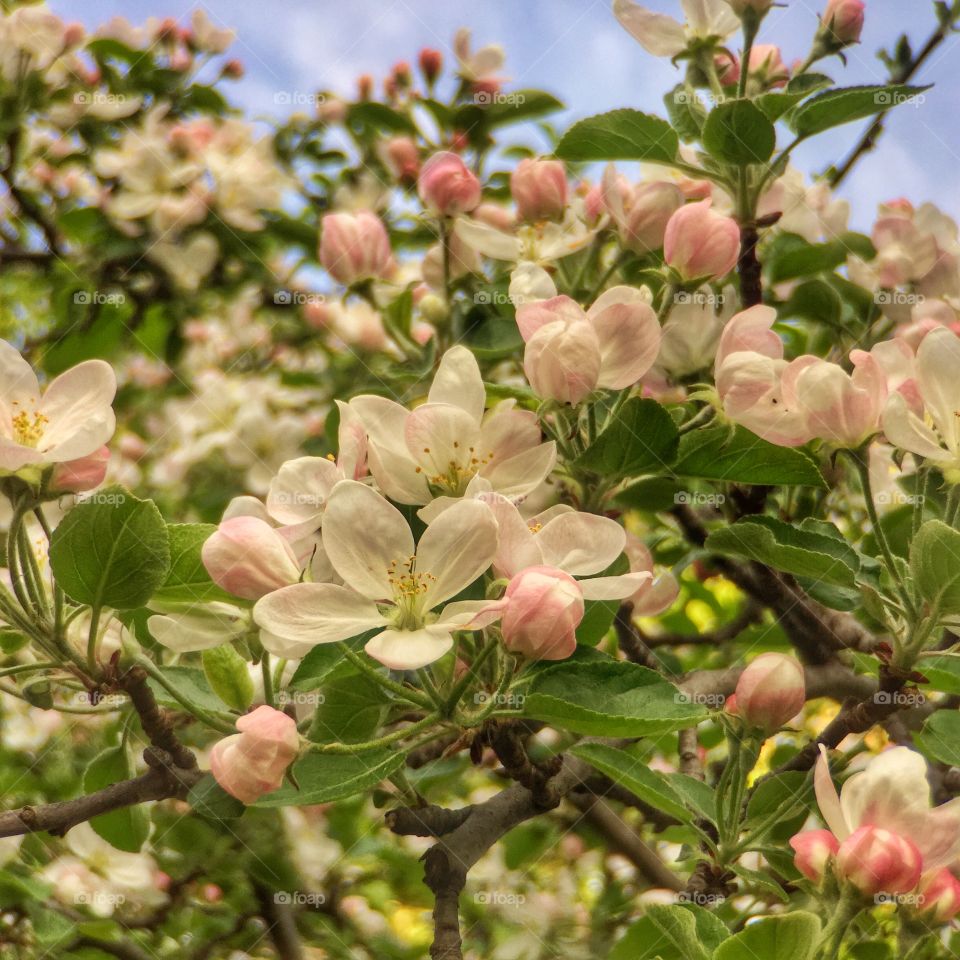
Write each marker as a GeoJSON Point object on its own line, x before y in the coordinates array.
{"type": "Point", "coordinates": [577, 50]}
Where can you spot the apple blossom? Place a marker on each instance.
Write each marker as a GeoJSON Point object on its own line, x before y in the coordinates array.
{"type": "Point", "coordinates": [940, 896]}
{"type": "Point", "coordinates": [691, 334]}
{"type": "Point", "coordinates": [249, 558]}
{"type": "Point", "coordinates": [767, 67]}
{"type": "Point", "coordinates": [663, 36]}
{"type": "Point", "coordinates": [72, 418]}
{"type": "Point", "coordinates": [813, 851]}
{"type": "Point", "coordinates": [571, 352]}
{"type": "Point", "coordinates": [355, 247]}
{"type": "Point", "coordinates": [653, 596]}
{"type": "Point", "coordinates": [699, 242]}
{"type": "Point", "coordinates": [936, 435]}
{"type": "Point", "coordinates": [478, 66]}
{"type": "Point", "coordinates": [431, 63]}
{"type": "Point", "coordinates": [641, 213]}
{"type": "Point", "coordinates": [539, 189]}
{"type": "Point", "coordinates": [770, 691]}
{"type": "Point", "coordinates": [389, 584]}
{"type": "Point", "coordinates": [875, 860]}
{"type": "Point", "coordinates": [252, 762]}
{"type": "Point", "coordinates": [446, 186]}
{"type": "Point", "coordinates": [891, 793]}
{"type": "Point", "coordinates": [437, 449]}
{"type": "Point", "coordinates": [542, 608]}
{"type": "Point", "coordinates": [187, 628]}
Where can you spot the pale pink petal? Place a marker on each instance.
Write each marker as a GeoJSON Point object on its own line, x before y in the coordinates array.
{"type": "Point", "coordinates": [455, 549]}
{"type": "Point", "coordinates": [581, 543]}
{"type": "Point", "coordinates": [533, 316]}
{"type": "Point", "coordinates": [305, 614]}
{"type": "Point", "coordinates": [300, 489]}
{"type": "Point", "coordinates": [522, 474]}
{"type": "Point", "coordinates": [655, 32]}
{"type": "Point", "coordinates": [906, 430]}
{"type": "Point", "coordinates": [629, 335]}
{"type": "Point", "coordinates": [488, 240]}
{"type": "Point", "coordinates": [827, 798]}
{"type": "Point", "coordinates": [444, 442]}
{"type": "Point", "coordinates": [363, 536]}
{"type": "Point", "coordinates": [458, 382]}
{"type": "Point", "coordinates": [410, 649]}
{"type": "Point", "coordinates": [614, 588]}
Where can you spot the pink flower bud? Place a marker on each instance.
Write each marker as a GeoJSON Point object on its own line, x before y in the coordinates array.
{"type": "Point", "coordinates": [252, 763]}
{"type": "Point", "coordinates": [813, 850]}
{"type": "Point", "coordinates": [543, 607]}
{"type": "Point", "coordinates": [648, 213]}
{"type": "Point", "coordinates": [431, 63]}
{"type": "Point", "coordinates": [77, 476]}
{"type": "Point", "coordinates": [767, 66]}
{"type": "Point", "coordinates": [843, 20]}
{"type": "Point", "coordinates": [402, 157]}
{"type": "Point", "coordinates": [701, 243]}
{"type": "Point", "coordinates": [446, 186]}
{"type": "Point", "coordinates": [879, 861]}
{"type": "Point", "coordinates": [770, 691]}
{"type": "Point", "coordinates": [940, 896]}
{"type": "Point", "coordinates": [355, 247]}
{"type": "Point", "coordinates": [727, 67]}
{"type": "Point", "coordinates": [539, 189]}
{"type": "Point", "coordinates": [249, 558]}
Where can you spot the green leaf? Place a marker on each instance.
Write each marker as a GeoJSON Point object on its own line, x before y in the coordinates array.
{"type": "Point", "coordinates": [226, 672]}
{"type": "Point", "coordinates": [814, 300]}
{"type": "Point", "coordinates": [614, 699]}
{"type": "Point", "coordinates": [641, 438]}
{"type": "Point", "coordinates": [837, 107]}
{"type": "Point", "coordinates": [935, 563]}
{"type": "Point", "coordinates": [737, 132]}
{"type": "Point", "coordinates": [940, 737]}
{"type": "Point", "coordinates": [620, 135]}
{"type": "Point", "coordinates": [792, 936]}
{"type": "Point", "coordinates": [942, 672]}
{"type": "Point", "coordinates": [669, 932]}
{"type": "Point", "coordinates": [776, 104]}
{"type": "Point", "coordinates": [634, 774]}
{"type": "Point", "coordinates": [715, 453]}
{"type": "Point", "coordinates": [111, 550]}
{"type": "Point", "coordinates": [790, 256]}
{"type": "Point", "coordinates": [370, 113]}
{"type": "Point", "coordinates": [351, 708]}
{"type": "Point", "coordinates": [188, 580]}
{"type": "Point", "coordinates": [128, 828]}
{"type": "Point", "coordinates": [804, 552]}
{"type": "Point", "coordinates": [324, 778]}
{"type": "Point", "coordinates": [210, 800]}
{"type": "Point", "coordinates": [686, 112]}
{"type": "Point", "coordinates": [651, 494]}
{"type": "Point", "coordinates": [191, 684]}
{"type": "Point", "coordinates": [520, 105]}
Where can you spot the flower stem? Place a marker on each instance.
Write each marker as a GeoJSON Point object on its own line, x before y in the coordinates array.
{"type": "Point", "coordinates": [406, 693]}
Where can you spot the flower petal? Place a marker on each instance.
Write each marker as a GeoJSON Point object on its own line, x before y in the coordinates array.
{"type": "Point", "coordinates": [410, 649]}
{"type": "Point", "coordinates": [299, 491]}
{"type": "Point", "coordinates": [458, 383]}
{"type": "Point", "coordinates": [77, 405]}
{"type": "Point", "coordinates": [362, 535]}
{"type": "Point", "coordinates": [655, 32]}
{"type": "Point", "coordinates": [827, 798]}
{"type": "Point", "coordinates": [938, 360]}
{"type": "Point", "coordinates": [629, 335]}
{"type": "Point", "coordinates": [581, 543]}
{"type": "Point", "coordinates": [904, 429]}
{"type": "Point", "coordinates": [456, 548]}
{"type": "Point", "coordinates": [297, 618]}
{"type": "Point", "coordinates": [614, 588]}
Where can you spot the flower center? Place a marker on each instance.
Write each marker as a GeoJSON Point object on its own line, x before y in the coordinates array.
{"type": "Point", "coordinates": [458, 472]}
{"type": "Point", "coordinates": [28, 428]}
{"type": "Point", "coordinates": [409, 585]}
